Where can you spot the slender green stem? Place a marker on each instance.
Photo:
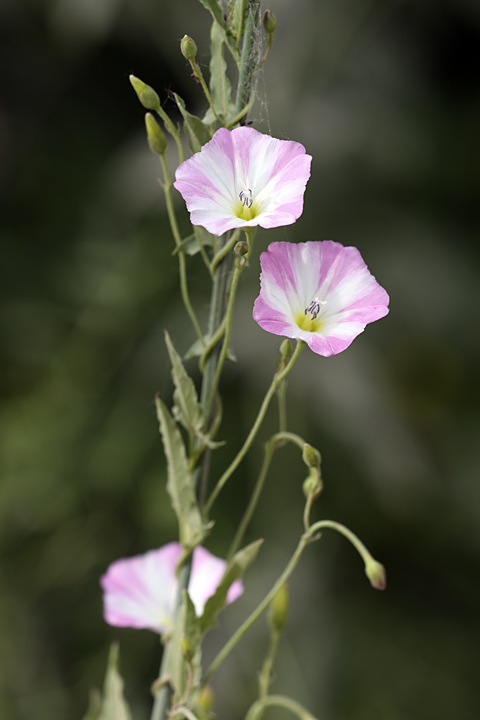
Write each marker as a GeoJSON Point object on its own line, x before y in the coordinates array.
{"type": "Point", "coordinates": [228, 647]}
{"type": "Point", "coordinates": [185, 712]}
{"type": "Point", "coordinates": [267, 459]}
{"type": "Point", "coordinates": [199, 75]}
{"type": "Point", "coordinates": [306, 512]}
{"type": "Point", "coordinates": [282, 406]}
{"type": "Point", "coordinates": [356, 542]}
{"type": "Point", "coordinates": [170, 127]}
{"type": "Point", "coordinates": [167, 188]}
{"type": "Point", "coordinates": [270, 447]}
{"type": "Point", "coordinates": [225, 250]}
{"type": "Point", "coordinates": [266, 672]}
{"type": "Point", "coordinates": [277, 379]}
{"type": "Point", "coordinates": [212, 344]}
{"type": "Point", "coordinates": [257, 708]}
{"type": "Point", "coordinates": [226, 338]}
{"type": "Point", "coordinates": [204, 255]}
{"type": "Point", "coordinates": [243, 112]}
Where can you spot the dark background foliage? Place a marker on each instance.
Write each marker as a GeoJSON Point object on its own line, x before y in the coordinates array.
{"type": "Point", "coordinates": [385, 96]}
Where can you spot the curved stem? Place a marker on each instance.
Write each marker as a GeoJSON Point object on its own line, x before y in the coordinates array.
{"type": "Point", "coordinates": [225, 250]}
{"type": "Point", "coordinates": [280, 701]}
{"type": "Point", "coordinates": [356, 542]}
{"type": "Point", "coordinates": [277, 379]}
{"type": "Point", "coordinates": [228, 647]}
{"type": "Point", "coordinates": [167, 188]}
{"type": "Point", "coordinates": [199, 75]}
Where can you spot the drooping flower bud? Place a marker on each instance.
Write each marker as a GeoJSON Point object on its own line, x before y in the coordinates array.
{"type": "Point", "coordinates": [269, 22]}
{"type": "Point", "coordinates": [240, 249]}
{"type": "Point", "coordinates": [147, 95]}
{"type": "Point", "coordinates": [286, 348]}
{"type": "Point", "coordinates": [278, 614]}
{"type": "Point", "coordinates": [188, 48]}
{"type": "Point", "coordinates": [157, 141]}
{"type": "Point", "coordinates": [312, 485]}
{"type": "Point", "coordinates": [311, 456]}
{"type": "Point", "coordinates": [375, 572]}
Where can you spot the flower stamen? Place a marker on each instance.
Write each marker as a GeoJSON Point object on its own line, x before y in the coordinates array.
{"type": "Point", "coordinates": [246, 198]}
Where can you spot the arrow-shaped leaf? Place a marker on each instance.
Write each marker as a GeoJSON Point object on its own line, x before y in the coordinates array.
{"type": "Point", "coordinates": [180, 481]}
{"type": "Point", "coordinates": [190, 412]}
{"type": "Point", "coordinates": [196, 132]}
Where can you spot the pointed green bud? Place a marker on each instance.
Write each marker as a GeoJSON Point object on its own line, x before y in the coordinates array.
{"type": "Point", "coordinates": [278, 614]}
{"type": "Point", "coordinates": [188, 48]}
{"type": "Point", "coordinates": [269, 22]}
{"type": "Point", "coordinates": [375, 572]}
{"type": "Point", "coordinates": [240, 249]}
{"type": "Point", "coordinates": [311, 456]}
{"type": "Point", "coordinates": [157, 141]}
{"type": "Point", "coordinates": [312, 485]}
{"type": "Point", "coordinates": [147, 95]}
{"type": "Point", "coordinates": [186, 648]}
{"type": "Point", "coordinates": [286, 348]}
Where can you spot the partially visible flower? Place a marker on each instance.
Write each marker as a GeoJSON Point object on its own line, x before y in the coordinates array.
{"type": "Point", "coordinates": [140, 591]}
{"type": "Point", "coordinates": [318, 292]}
{"type": "Point", "coordinates": [242, 178]}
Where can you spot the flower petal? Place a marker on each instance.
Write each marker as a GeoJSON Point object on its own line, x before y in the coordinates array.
{"type": "Point", "coordinates": [334, 276]}
{"type": "Point", "coordinates": [275, 171]}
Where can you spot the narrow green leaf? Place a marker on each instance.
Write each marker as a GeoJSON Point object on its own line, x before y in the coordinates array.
{"type": "Point", "coordinates": [235, 570]}
{"type": "Point", "coordinates": [188, 410]}
{"type": "Point", "coordinates": [220, 87]}
{"type": "Point", "coordinates": [180, 481]}
{"type": "Point", "coordinates": [186, 623]}
{"type": "Point", "coordinates": [196, 132]}
{"type": "Point", "coordinates": [216, 9]}
{"type": "Point", "coordinates": [237, 24]}
{"type": "Point", "coordinates": [114, 705]}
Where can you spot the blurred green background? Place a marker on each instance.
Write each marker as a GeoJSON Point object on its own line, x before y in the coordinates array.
{"type": "Point", "coordinates": [386, 97]}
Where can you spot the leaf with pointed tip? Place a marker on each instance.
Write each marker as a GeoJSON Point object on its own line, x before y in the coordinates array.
{"type": "Point", "coordinates": [114, 705]}
{"type": "Point", "coordinates": [190, 412]}
{"type": "Point", "coordinates": [237, 23]}
{"type": "Point", "coordinates": [186, 623]}
{"type": "Point", "coordinates": [220, 87]}
{"type": "Point", "coordinates": [216, 10]}
{"type": "Point", "coordinates": [180, 481]}
{"type": "Point", "coordinates": [235, 570]}
{"type": "Point", "coordinates": [192, 243]}
{"type": "Point", "coordinates": [196, 132]}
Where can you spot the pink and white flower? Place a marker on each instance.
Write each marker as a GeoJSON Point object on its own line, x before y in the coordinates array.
{"type": "Point", "coordinates": [242, 178]}
{"type": "Point", "coordinates": [318, 292]}
{"type": "Point", "coordinates": [141, 591]}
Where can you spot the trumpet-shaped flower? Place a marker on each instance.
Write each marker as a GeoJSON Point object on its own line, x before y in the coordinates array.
{"type": "Point", "coordinates": [318, 292]}
{"type": "Point", "coordinates": [242, 178]}
{"type": "Point", "coordinates": [141, 591]}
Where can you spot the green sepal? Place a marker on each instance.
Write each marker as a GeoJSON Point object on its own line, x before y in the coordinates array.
{"type": "Point", "coordinates": [220, 87]}
{"type": "Point", "coordinates": [196, 132]}
{"type": "Point", "coordinates": [180, 481]}
{"type": "Point", "coordinates": [187, 409]}
{"type": "Point", "coordinates": [113, 705]}
{"type": "Point", "coordinates": [186, 623]}
{"type": "Point", "coordinates": [235, 570]}
{"type": "Point", "coordinates": [192, 243]}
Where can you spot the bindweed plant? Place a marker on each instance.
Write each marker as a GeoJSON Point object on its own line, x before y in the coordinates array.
{"type": "Point", "coordinates": [318, 294]}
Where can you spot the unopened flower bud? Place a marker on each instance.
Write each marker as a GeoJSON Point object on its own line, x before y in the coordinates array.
{"type": "Point", "coordinates": [157, 141]}
{"type": "Point", "coordinates": [241, 249]}
{"type": "Point", "coordinates": [206, 698]}
{"type": "Point", "coordinates": [278, 614]}
{"type": "Point", "coordinates": [147, 95]}
{"type": "Point", "coordinates": [311, 456]}
{"type": "Point", "coordinates": [186, 648]}
{"type": "Point", "coordinates": [269, 22]}
{"type": "Point", "coordinates": [240, 262]}
{"type": "Point", "coordinates": [375, 572]}
{"type": "Point", "coordinates": [188, 48]}
{"type": "Point", "coordinates": [312, 485]}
